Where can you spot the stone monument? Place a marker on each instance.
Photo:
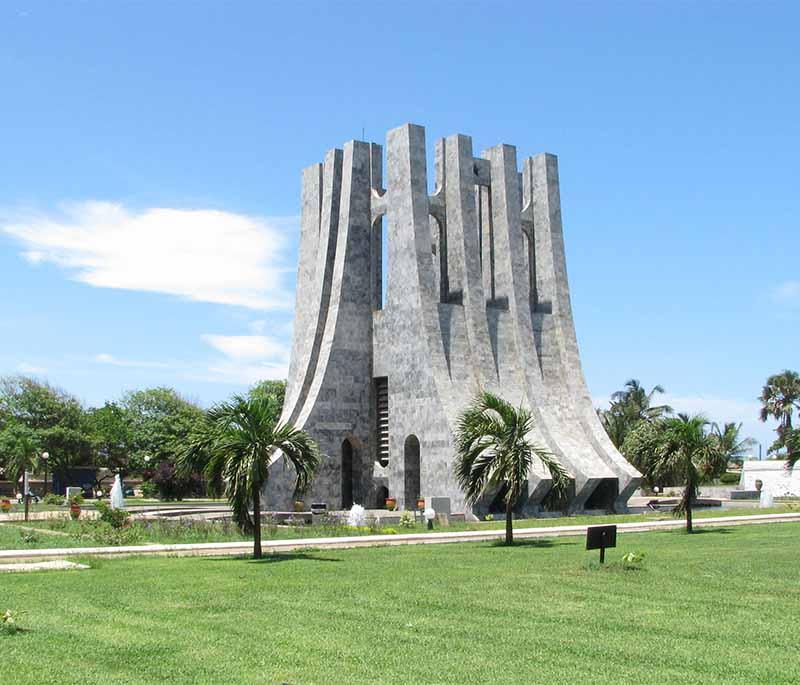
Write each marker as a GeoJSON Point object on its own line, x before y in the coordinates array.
{"type": "Point", "coordinates": [410, 302]}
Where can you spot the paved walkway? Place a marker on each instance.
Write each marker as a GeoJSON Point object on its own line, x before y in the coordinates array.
{"type": "Point", "coordinates": [269, 546]}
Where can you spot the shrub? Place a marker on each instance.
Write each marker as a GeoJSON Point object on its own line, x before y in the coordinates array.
{"type": "Point", "coordinates": [407, 520]}
{"type": "Point", "coordinates": [117, 518]}
{"type": "Point", "coordinates": [729, 478]}
{"type": "Point", "coordinates": [29, 537]}
{"type": "Point", "coordinates": [53, 498]}
{"type": "Point", "coordinates": [149, 489]}
{"type": "Point", "coordinates": [488, 517]}
{"type": "Point", "coordinates": [76, 499]}
{"type": "Point", "coordinates": [633, 560]}
{"type": "Point", "coordinates": [106, 534]}
{"type": "Point", "coordinates": [170, 486]}
{"type": "Point", "coordinates": [9, 622]}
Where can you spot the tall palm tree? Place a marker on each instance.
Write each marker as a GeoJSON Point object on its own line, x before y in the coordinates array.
{"type": "Point", "coordinates": [779, 398]}
{"type": "Point", "coordinates": [628, 407]}
{"type": "Point", "coordinates": [21, 448]}
{"type": "Point", "coordinates": [730, 442]}
{"type": "Point", "coordinates": [233, 449]}
{"type": "Point", "coordinates": [493, 451]}
{"type": "Point", "coordinates": [689, 449]}
{"type": "Point", "coordinates": [640, 402]}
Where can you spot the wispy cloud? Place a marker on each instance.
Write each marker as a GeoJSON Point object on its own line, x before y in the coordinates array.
{"type": "Point", "coordinates": [248, 358]}
{"type": "Point", "coordinates": [198, 254]}
{"type": "Point", "coordinates": [788, 291]}
{"type": "Point", "coordinates": [248, 347]}
{"type": "Point", "coordinates": [24, 367]}
{"type": "Point", "coordinates": [105, 358]}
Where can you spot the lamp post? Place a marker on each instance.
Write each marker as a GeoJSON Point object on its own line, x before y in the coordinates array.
{"type": "Point", "coordinates": [45, 457]}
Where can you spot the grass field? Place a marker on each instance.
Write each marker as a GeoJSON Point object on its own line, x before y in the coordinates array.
{"type": "Point", "coordinates": [720, 606]}
{"type": "Point", "coordinates": [61, 532]}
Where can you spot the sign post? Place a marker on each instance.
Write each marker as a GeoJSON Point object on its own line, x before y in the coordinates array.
{"type": "Point", "coordinates": [600, 537]}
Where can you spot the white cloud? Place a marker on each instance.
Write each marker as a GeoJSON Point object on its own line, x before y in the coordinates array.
{"type": "Point", "coordinates": [24, 367]}
{"type": "Point", "coordinates": [248, 347]}
{"type": "Point", "coordinates": [248, 358]}
{"type": "Point", "coordinates": [104, 358]}
{"type": "Point", "coordinates": [198, 254]}
{"type": "Point", "coordinates": [246, 374]}
{"type": "Point", "coordinates": [788, 291]}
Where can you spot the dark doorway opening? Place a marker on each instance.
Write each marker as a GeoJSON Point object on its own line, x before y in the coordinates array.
{"type": "Point", "coordinates": [411, 469]}
{"type": "Point", "coordinates": [347, 474]}
{"type": "Point", "coordinates": [380, 499]}
{"type": "Point", "coordinates": [604, 495]}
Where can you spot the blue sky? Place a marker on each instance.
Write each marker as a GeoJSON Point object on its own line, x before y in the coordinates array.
{"type": "Point", "coordinates": [151, 156]}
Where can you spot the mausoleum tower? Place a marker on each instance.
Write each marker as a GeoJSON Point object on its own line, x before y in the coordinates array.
{"type": "Point", "coordinates": [476, 298]}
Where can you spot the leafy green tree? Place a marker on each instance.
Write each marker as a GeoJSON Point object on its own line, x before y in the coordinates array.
{"type": "Point", "coordinates": [687, 448]}
{"type": "Point", "coordinates": [793, 447]}
{"type": "Point", "coordinates": [161, 423]}
{"type": "Point", "coordinates": [233, 449]}
{"type": "Point", "coordinates": [57, 419]}
{"type": "Point", "coordinates": [113, 438]}
{"type": "Point", "coordinates": [641, 446]}
{"type": "Point", "coordinates": [628, 407]}
{"type": "Point", "coordinates": [276, 389]}
{"type": "Point", "coordinates": [779, 398]}
{"type": "Point", "coordinates": [493, 451]}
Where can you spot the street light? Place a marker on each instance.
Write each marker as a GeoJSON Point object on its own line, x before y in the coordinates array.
{"type": "Point", "coordinates": [45, 457]}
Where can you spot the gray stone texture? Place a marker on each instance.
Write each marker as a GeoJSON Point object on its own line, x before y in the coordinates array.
{"type": "Point", "coordinates": [477, 298]}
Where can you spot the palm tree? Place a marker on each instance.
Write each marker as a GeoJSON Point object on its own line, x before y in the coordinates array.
{"type": "Point", "coordinates": [729, 442]}
{"type": "Point", "coordinates": [628, 407]}
{"type": "Point", "coordinates": [688, 449]}
{"type": "Point", "coordinates": [640, 401]}
{"type": "Point", "coordinates": [234, 449]}
{"type": "Point", "coordinates": [21, 449]}
{"type": "Point", "coordinates": [493, 451]}
{"type": "Point", "coordinates": [779, 398]}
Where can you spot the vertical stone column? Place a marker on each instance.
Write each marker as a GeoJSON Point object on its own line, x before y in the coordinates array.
{"type": "Point", "coordinates": [318, 290]}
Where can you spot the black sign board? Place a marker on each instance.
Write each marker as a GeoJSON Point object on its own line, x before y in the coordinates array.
{"type": "Point", "coordinates": [600, 537]}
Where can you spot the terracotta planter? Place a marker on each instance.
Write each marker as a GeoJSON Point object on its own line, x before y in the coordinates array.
{"type": "Point", "coordinates": [759, 485]}
{"type": "Point", "coordinates": [421, 503]}
{"type": "Point", "coordinates": [74, 511]}
{"type": "Point", "coordinates": [391, 503]}
{"type": "Point", "coordinates": [299, 506]}
{"type": "Point", "coordinates": [5, 505]}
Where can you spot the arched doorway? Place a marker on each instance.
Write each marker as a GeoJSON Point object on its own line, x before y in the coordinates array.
{"type": "Point", "coordinates": [347, 474]}
{"type": "Point", "coordinates": [411, 471]}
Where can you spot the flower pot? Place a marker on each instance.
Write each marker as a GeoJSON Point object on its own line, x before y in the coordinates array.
{"type": "Point", "coordinates": [5, 505]}
{"type": "Point", "coordinates": [759, 485]}
{"type": "Point", "coordinates": [420, 503]}
{"type": "Point", "coordinates": [299, 506]}
{"type": "Point", "coordinates": [391, 503]}
{"type": "Point", "coordinates": [74, 511]}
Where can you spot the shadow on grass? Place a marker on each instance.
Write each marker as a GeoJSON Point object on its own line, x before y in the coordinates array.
{"type": "Point", "coordinates": [273, 558]}
{"type": "Point", "coordinates": [537, 543]}
{"type": "Point", "coordinates": [707, 531]}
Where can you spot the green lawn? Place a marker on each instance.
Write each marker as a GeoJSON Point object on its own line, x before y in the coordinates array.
{"type": "Point", "coordinates": [720, 606]}
{"type": "Point", "coordinates": [61, 532]}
